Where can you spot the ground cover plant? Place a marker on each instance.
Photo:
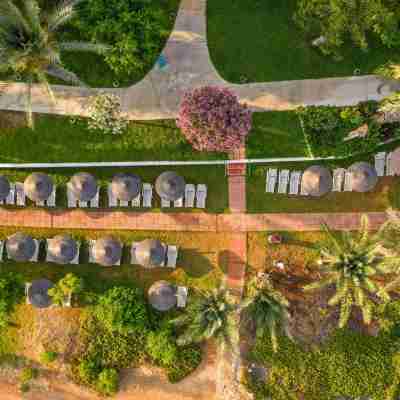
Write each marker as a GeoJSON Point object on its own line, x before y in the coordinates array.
{"type": "Point", "coordinates": [257, 41]}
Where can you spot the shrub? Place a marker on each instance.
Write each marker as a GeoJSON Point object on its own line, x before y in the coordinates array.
{"type": "Point", "coordinates": [390, 70]}
{"type": "Point", "coordinates": [123, 310]}
{"type": "Point", "coordinates": [161, 347]}
{"type": "Point", "coordinates": [349, 364]}
{"type": "Point", "coordinates": [105, 114]}
{"type": "Point", "coordinates": [11, 292]}
{"type": "Point", "coordinates": [212, 119]}
{"type": "Point", "coordinates": [107, 382]}
{"type": "Point", "coordinates": [48, 357]}
{"type": "Point", "coordinates": [134, 29]}
{"type": "Point", "coordinates": [24, 387]}
{"type": "Point", "coordinates": [88, 371]}
{"type": "Point", "coordinates": [189, 358]}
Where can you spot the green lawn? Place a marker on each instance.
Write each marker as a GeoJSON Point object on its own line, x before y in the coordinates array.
{"type": "Point", "coordinates": [276, 134]}
{"type": "Point", "coordinates": [259, 201]}
{"type": "Point", "coordinates": [258, 40]}
{"type": "Point", "coordinates": [55, 139]}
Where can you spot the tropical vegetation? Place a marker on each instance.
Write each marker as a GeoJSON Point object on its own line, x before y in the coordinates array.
{"type": "Point", "coordinates": [355, 265]}
{"type": "Point", "coordinates": [64, 289]}
{"type": "Point", "coordinates": [31, 47]}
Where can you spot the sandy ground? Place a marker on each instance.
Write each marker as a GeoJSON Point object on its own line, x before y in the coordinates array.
{"type": "Point", "coordinates": [137, 384]}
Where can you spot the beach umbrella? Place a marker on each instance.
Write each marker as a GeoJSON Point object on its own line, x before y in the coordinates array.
{"type": "Point", "coordinates": [38, 186]}
{"type": "Point", "coordinates": [150, 253]}
{"type": "Point", "coordinates": [170, 186]}
{"type": "Point", "coordinates": [83, 186]}
{"type": "Point", "coordinates": [162, 296]}
{"type": "Point", "coordinates": [62, 249]}
{"type": "Point", "coordinates": [38, 293]}
{"type": "Point", "coordinates": [363, 177]}
{"type": "Point", "coordinates": [107, 251]}
{"type": "Point", "coordinates": [316, 181]}
{"type": "Point", "coordinates": [125, 187]}
{"type": "Point", "coordinates": [20, 247]}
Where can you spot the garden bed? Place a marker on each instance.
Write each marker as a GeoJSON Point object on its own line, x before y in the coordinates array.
{"type": "Point", "coordinates": [257, 41]}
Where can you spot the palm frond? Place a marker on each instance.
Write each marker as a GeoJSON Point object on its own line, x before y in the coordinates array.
{"type": "Point", "coordinates": [62, 13]}
{"type": "Point", "coordinates": [60, 72]}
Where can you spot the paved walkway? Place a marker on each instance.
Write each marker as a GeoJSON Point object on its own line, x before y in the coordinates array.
{"type": "Point", "coordinates": [159, 93]}
{"type": "Point", "coordinates": [193, 222]}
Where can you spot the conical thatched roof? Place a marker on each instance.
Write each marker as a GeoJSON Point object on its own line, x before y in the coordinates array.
{"type": "Point", "coordinates": [83, 186]}
{"type": "Point", "coordinates": [125, 187]}
{"type": "Point", "coordinates": [4, 187]}
{"type": "Point", "coordinates": [162, 296]}
{"type": "Point", "coordinates": [38, 186]}
{"type": "Point", "coordinates": [38, 293]}
{"type": "Point", "coordinates": [62, 249]}
{"type": "Point", "coordinates": [363, 177]}
{"type": "Point", "coordinates": [20, 247]}
{"type": "Point", "coordinates": [316, 181]}
{"type": "Point", "coordinates": [150, 253]}
{"type": "Point", "coordinates": [170, 186]}
{"type": "Point", "coordinates": [107, 251]}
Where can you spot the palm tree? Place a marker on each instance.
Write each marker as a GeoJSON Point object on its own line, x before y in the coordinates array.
{"type": "Point", "coordinates": [352, 263]}
{"type": "Point", "coordinates": [208, 316]}
{"type": "Point", "coordinates": [268, 309]}
{"type": "Point", "coordinates": [29, 46]}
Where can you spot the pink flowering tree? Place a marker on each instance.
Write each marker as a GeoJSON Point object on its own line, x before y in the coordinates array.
{"type": "Point", "coordinates": [212, 119]}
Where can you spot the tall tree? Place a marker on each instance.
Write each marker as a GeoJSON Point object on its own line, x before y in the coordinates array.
{"type": "Point", "coordinates": [352, 263]}
{"type": "Point", "coordinates": [268, 309]}
{"type": "Point", "coordinates": [29, 45]}
{"type": "Point", "coordinates": [209, 315]}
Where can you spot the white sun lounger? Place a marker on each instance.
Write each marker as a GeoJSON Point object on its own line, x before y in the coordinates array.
{"type": "Point", "coordinates": [181, 296]}
{"type": "Point", "coordinates": [133, 253]}
{"type": "Point", "coordinates": [380, 162]}
{"type": "Point", "coordinates": [283, 181]}
{"type": "Point", "coordinates": [91, 244]}
{"type": "Point", "coordinates": [389, 168]}
{"type": "Point", "coordinates": [294, 182]}
{"type": "Point", "coordinates": [94, 203]}
{"type": "Point", "coordinates": [112, 201]}
{"type": "Point", "coordinates": [201, 196]}
{"type": "Point", "coordinates": [147, 193]}
{"type": "Point", "coordinates": [51, 201]}
{"type": "Point", "coordinates": [10, 200]}
{"type": "Point", "coordinates": [136, 201]}
{"type": "Point", "coordinates": [172, 256]}
{"type": "Point", "coordinates": [347, 182]}
{"type": "Point", "coordinates": [1, 250]}
{"type": "Point", "coordinates": [71, 199]}
{"type": "Point", "coordinates": [338, 179]}
{"type": "Point", "coordinates": [20, 194]}
{"type": "Point", "coordinates": [35, 256]}
{"type": "Point", "coordinates": [165, 203]}
{"type": "Point", "coordinates": [27, 287]}
{"type": "Point", "coordinates": [178, 203]}
{"type": "Point", "coordinates": [190, 194]}
{"type": "Point", "coordinates": [271, 178]}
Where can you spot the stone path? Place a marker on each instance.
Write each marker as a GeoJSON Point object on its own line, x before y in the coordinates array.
{"type": "Point", "coordinates": [191, 222]}
{"type": "Point", "coordinates": [159, 93]}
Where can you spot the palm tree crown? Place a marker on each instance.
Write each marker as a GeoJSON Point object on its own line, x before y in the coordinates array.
{"type": "Point", "coordinates": [29, 46]}
{"type": "Point", "coordinates": [209, 315]}
{"type": "Point", "coordinates": [267, 308]}
{"type": "Point", "coordinates": [352, 263]}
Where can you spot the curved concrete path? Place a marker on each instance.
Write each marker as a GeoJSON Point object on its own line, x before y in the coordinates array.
{"type": "Point", "coordinates": [159, 93]}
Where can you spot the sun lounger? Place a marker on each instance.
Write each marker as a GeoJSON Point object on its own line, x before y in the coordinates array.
{"type": "Point", "coordinates": [20, 194]}
{"type": "Point", "coordinates": [380, 161]}
{"type": "Point", "coordinates": [82, 204]}
{"type": "Point", "coordinates": [133, 253]}
{"type": "Point", "coordinates": [147, 194]}
{"type": "Point", "coordinates": [1, 250]}
{"type": "Point", "coordinates": [123, 203]}
{"type": "Point", "coordinates": [112, 201]}
{"type": "Point", "coordinates": [51, 201]}
{"type": "Point", "coordinates": [181, 296]}
{"type": "Point", "coordinates": [190, 194]}
{"type": "Point", "coordinates": [172, 256]}
{"type": "Point", "coordinates": [94, 203]}
{"type": "Point", "coordinates": [389, 167]}
{"type": "Point", "coordinates": [178, 203]}
{"type": "Point", "coordinates": [201, 196]}
{"type": "Point", "coordinates": [347, 182]}
{"type": "Point", "coordinates": [283, 181]}
{"type": "Point", "coordinates": [27, 287]}
{"type": "Point", "coordinates": [10, 200]}
{"type": "Point", "coordinates": [35, 256]}
{"type": "Point", "coordinates": [338, 179]}
{"type": "Point", "coordinates": [71, 200]}
{"type": "Point", "coordinates": [165, 203]}
{"type": "Point", "coordinates": [272, 176]}
{"type": "Point", "coordinates": [75, 261]}
{"type": "Point", "coordinates": [294, 182]}
{"type": "Point", "coordinates": [91, 244]}
{"type": "Point", "coordinates": [136, 201]}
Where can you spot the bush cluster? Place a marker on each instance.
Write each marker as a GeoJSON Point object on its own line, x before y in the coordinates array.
{"type": "Point", "coordinates": [11, 292]}
{"type": "Point", "coordinates": [350, 365]}
{"type": "Point", "coordinates": [325, 128]}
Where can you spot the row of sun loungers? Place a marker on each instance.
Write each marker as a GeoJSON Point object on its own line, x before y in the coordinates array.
{"type": "Point", "coordinates": [283, 180]}
{"type": "Point", "coordinates": [384, 164]}
{"type": "Point", "coordinates": [17, 197]}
